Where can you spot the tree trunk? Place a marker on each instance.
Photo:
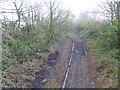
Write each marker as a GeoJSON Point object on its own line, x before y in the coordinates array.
{"type": "Point", "coordinates": [118, 18]}
{"type": "Point", "coordinates": [51, 25]}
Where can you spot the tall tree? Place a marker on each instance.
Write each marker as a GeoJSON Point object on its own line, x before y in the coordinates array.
{"type": "Point", "coordinates": [19, 11]}
{"type": "Point", "coordinates": [118, 24]}
{"type": "Point", "coordinates": [56, 16]}
{"type": "Point", "coordinates": [110, 10]}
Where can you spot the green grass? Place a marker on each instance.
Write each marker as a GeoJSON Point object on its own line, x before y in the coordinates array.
{"type": "Point", "coordinates": [103, 42]}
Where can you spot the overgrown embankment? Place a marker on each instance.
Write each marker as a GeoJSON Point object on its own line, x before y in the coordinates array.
{"type": "Point", "coordinates": [23, 56]}
{"type": "Point", "coordinates": [52, 72]}
{"type": "Point", "coordinates": [102, 41]}
{"type": "Point", "coordinates": [29, 39]}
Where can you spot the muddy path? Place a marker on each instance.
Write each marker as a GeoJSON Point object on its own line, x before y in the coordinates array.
{"type": "Point", "coordinates": [66, 68]}
{"type": "Point", "coordinates": [53, 70]}
{"type": "Point", "coordinates": [77, 72]}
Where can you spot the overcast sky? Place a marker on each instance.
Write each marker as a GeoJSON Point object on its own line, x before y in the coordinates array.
{"type": "Point", "coordinates": [75, 6]}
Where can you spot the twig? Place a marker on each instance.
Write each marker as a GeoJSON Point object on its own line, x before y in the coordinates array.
{"type": "Point", "coordinates": [8, 81]}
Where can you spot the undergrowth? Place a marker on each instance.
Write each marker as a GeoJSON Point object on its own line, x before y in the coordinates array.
{"type": "Point", "coordinates": [20, 48]}
{"type": "Point", "coordinates": [102, 39]}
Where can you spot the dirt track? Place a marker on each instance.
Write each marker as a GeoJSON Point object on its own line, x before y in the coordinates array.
{"type": "Point", "coordinates": [78, 76]}
{"type": "Point", "coordinates": [54, 70]}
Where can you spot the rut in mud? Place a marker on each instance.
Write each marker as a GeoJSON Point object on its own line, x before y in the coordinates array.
{"type": "Point", "coordinates": [77, 75]}
{"type": "Point", "coordinates": [53, 72]}
{"type": "Point", "coordinates": [47, 71]}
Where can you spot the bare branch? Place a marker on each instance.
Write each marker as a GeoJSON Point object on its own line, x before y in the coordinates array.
{"type": "Point", "coordinates": [7, 12]}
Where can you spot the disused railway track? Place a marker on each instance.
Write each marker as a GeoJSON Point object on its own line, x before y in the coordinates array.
{"type": "Point", "coordinates": [76, 75]}
{"type": "Point", "coordinates": [67, 72]}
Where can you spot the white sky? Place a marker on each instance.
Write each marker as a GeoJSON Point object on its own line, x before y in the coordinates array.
{"type": "Point", "coordinates": [76, 6]}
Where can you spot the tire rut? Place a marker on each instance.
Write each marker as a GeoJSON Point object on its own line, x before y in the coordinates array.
{"type": "Point", "coordinates": [78, 75]}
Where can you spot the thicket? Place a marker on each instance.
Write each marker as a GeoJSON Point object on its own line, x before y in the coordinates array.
{"type": "Point", "coordinates": [32, 34]}
{"type": "Point", "coordinates": [102, 39]}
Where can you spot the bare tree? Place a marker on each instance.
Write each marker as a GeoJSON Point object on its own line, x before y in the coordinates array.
{"type": "Point", "coordinates": [57, 17]}
{"type": "Point", "coordinates": [118, 25]}
{"type": "Point", "coordinates": [110, 10]}
{"type": "Point", "coordinates": [19, 11]}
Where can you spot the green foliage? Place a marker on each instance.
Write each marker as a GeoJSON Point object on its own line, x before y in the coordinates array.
{"type": "Point", "coordinates": [18, 46]}
{"type": "Point", "coordinates": [22, 49]}
{"type": "Point", "coordinates": [109, 36]}
{"type": "Point", "coordinates": [25, 40]}
{"type": "Point", "coordinates": [7, 25]}
{"type": "Point", "coordinates": [102, 62]}
{"type": "Point", "coordinates": [103, 40]}
{"type": "Point", "coordinates": [13, 45]}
